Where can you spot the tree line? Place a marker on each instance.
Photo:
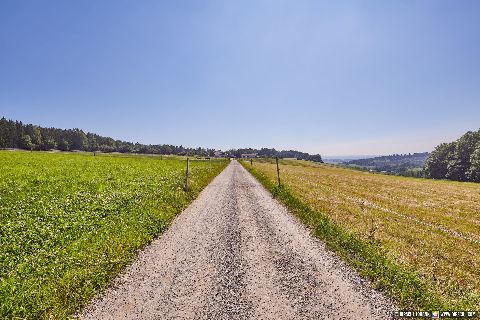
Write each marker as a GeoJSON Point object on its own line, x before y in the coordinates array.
{"type": "Point", "coordinates": [15, 134]}
{"type": "Point", "coordinates": [458, 160]}
{"type": "Point", "coordinates": [272, 153]}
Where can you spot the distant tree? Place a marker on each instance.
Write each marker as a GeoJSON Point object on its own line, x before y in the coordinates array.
{"type": "Point", "coordinates": [315, 158]}
{"type": "Point", "coordinates": [123, 146]}
{"type": "Point", "coordinates": [265, 152]}
{"type": "Point", "coordinates": [49, 143]}
{"type": "Point", "coordinates": [36, 136]}
{"type": "Point", "coordinates": [436, 165]}
{"type": "Point", "coordinates": [27, 142]}
{"type": "Point", "coordinates": [64, 145]}
{"type": "Point", "coordinates": [79, 140]}
{"type": "Point", "coordinates": [145, 149]}
{"type": "Point", "coordinates": [473, 173]}
{"type": "Point", "coordinates": [92, 142]}
{"type": "Point", "coordinates": [459, 162]}
{"type": "Point", "coordinates": [106, 148]}
{"type": "Point", "coordinates": [5, 133]}
{"type": "Point", "coordinates": [18, 133]}
{"type": "Point", "coordinates": [166, 149]}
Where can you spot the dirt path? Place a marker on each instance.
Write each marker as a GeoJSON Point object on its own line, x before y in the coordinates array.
{"type": "Point", "coordinates": [235, 253]}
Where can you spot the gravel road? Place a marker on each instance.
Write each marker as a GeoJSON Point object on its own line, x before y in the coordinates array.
{"type": "Point", "coordinates": [236, 253]}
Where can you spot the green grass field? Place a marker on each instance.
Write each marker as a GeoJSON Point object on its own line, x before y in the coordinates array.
{"type": "Point", "coordinates": [70, 222]}
{"type": "Point", "coordinates": [418, 239]}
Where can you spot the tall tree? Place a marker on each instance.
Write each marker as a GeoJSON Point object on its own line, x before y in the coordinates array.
{"type": "Point", "coordinates": [26, 142]}
{"type": "Point", "coordinates": [79, 140]}
{"type": "Point", "coordinates": [457, 160]}
{"type": "Point", "coordinates": [64, 145]}
{"type": "Point", "coordinates": [473, 173]}
{"type": "Point", "coordinates": [459, 164]}
{"type": "Point", "coordinates": [436, 165]}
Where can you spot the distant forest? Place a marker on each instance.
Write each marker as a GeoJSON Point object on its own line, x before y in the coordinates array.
{"type": "Point", "coordinates": [401, 164]}
{"type": "Point", "coordinates": [458, 160]}
{"type": "Point", "coordinates": [15, 134]}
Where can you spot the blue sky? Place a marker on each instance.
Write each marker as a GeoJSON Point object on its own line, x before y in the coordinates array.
{"type": "Point", "coordinates": [333, 77]}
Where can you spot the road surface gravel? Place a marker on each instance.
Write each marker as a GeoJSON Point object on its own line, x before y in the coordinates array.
{"type": "Point", "coordinates": [236, 253]}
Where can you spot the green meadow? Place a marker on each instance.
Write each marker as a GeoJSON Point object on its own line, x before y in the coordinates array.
{"type": "Point", "coordinates": [70, 222]}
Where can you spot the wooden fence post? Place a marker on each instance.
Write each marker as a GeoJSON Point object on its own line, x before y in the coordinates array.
{"type": "Point", "coordinates": [278, 172]}
{"type": "Point", "coordinates": [186, 176]}
{"type": "Point", "coordinates": [251, 162]}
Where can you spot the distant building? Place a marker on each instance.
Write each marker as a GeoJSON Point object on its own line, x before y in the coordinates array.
{"type": "Point", "coordinates": [249, 155]}
{"type": "Point", "coordinates": [218, 154]}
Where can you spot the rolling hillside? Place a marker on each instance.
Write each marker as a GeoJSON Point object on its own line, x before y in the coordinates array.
{"type": "Point", "coordinates": [402, 164]}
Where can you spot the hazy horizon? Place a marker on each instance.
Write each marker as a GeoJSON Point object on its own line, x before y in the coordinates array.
{"type": "Point", "coordinates": [335, 78]}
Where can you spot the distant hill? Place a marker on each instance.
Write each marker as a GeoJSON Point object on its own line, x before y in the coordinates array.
{"type": "Point", "coordinates": [402, 164]}
{"type": "Point", "coordinates": [341, 159]}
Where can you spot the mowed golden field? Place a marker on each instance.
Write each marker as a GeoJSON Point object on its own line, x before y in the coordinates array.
{"type": "Point", "coordinates": [428, 226]}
